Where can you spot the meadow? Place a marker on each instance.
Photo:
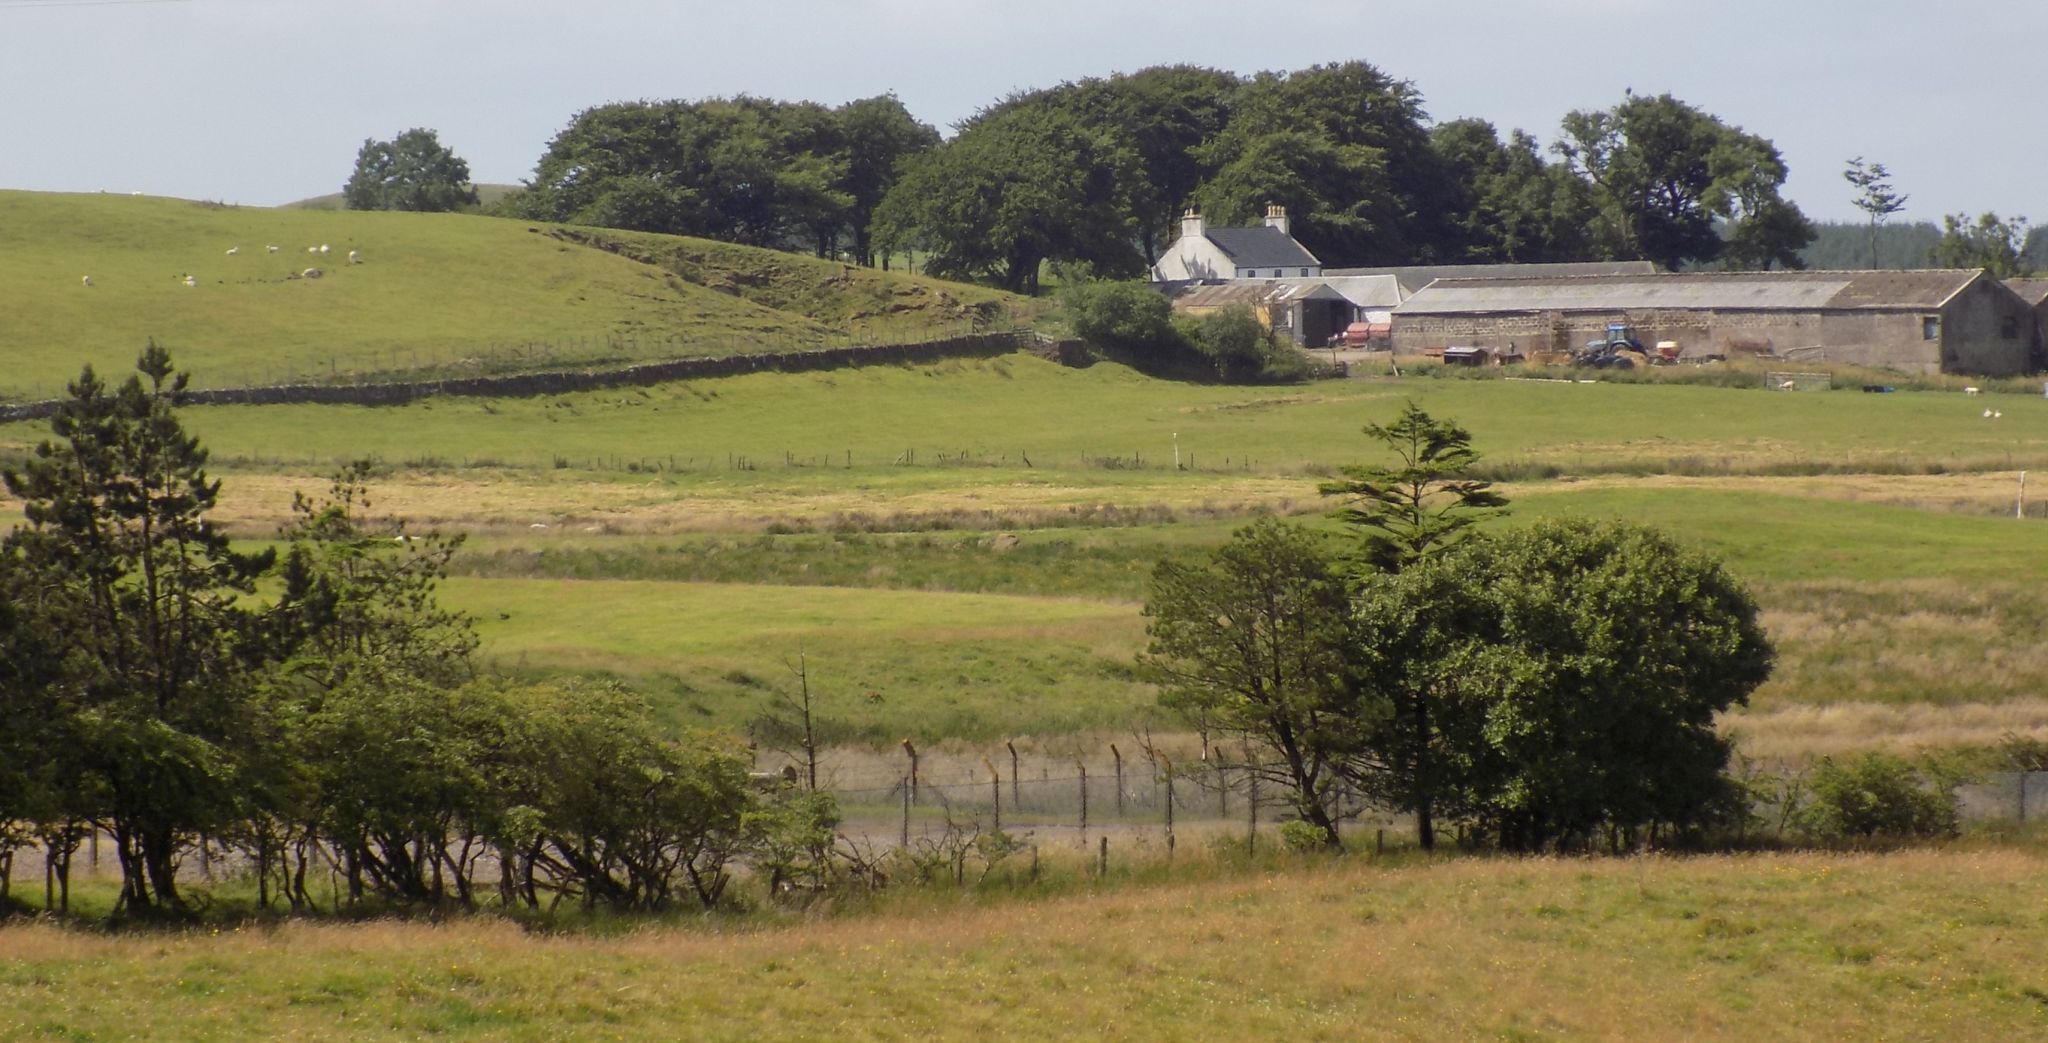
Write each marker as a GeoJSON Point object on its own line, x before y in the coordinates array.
{"type": "Point", "coordinates": [1917, 945]}
{"type": "Point", "coordinates": [972, 539]}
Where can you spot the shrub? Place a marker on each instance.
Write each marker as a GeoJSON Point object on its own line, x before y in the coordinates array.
{"type": "Point", "coordinates": [1877, 796]}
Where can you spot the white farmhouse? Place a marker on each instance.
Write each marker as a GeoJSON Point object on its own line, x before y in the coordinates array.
{"type": "Point", "coordinates": [1221, 254]}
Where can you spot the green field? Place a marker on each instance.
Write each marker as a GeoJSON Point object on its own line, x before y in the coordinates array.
{"type": "Point", "coordinates": [435, 294]}
{"type": "Point", "coordinates": [1930, 945]}
{"type": "Point", "coordinates": [845, 514]}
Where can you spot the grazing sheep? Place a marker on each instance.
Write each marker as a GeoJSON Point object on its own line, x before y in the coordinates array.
{"type": "Point", "coordinates": [191, 280]}
{"type": "Point", "coordinates": [354, 258]}
{"type": "Point", "coordinates": [312, 249]}
{"type": "Point", "coordinates": [234, 250]}
{"type": "Point", "coordinates": [1969, 391]}
{"type": "Point", "coordinates": [1987, 414]}
{"type": "Point", "coordinates": [270, 249]}
{"type": "Point", "coordinates": [538, 525]}
{"type": "Point", "coordinates": [86, 280]}
{"type": "Point", "coordinates": [310, 273]}
{"type": "Point", "coordinates": [323, 247]}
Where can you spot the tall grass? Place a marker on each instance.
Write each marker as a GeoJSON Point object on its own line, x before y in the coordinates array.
{"type": "Point", "coordinates": [1917, 945]}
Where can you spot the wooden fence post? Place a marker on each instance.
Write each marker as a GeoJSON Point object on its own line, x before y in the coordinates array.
{"type": "Point", "coordinates": [1084, 800]}
{"type": "Point", "coordinates": [995, 788]}
{"type": "Point", "coordinates": [1168, 762]}
{"type": "Point", "coordinates": [1016, 799]}
{"type": "Point", "coordinates": [1118, 754]}
{"type": "Point", "coordinates": [911, 751]}
{"type": "Point", "coordinates": [905, 841]}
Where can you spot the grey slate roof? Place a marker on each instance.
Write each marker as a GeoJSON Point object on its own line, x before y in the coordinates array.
{"type": "Point", "coordinates": [1261, 247]}
{"type": "Point", "coordinates": [2033, 291]}
{"type": "Point", "coordinates": [1415, 277]}
{"type": "Point", "coordinates": [1724, 291]}
{"type": "Point", "coordinates": [1221, 294]}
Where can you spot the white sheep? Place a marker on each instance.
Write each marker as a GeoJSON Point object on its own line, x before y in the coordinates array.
{"type": "Point", "coordinates": [354, 258]}
{"type": "Point", "coordinates": [234, 250]}
{"type": "Point", "coordinates": [270, 249]}
{"type": "Point", "coordinates": [312, 249]}
{"type": "Point", "coordinates": [1987, 414]}
{"type": "Point", "coordinates": [1969, 391]}
{"type": "Point", "coordinates": [191, 281]}
{"type": "Point", "coordinates": [86, 280]}
{"type": "Point", "coordinates": [310, 273]}
{"type": "Point", "coordinates": [323, 247]}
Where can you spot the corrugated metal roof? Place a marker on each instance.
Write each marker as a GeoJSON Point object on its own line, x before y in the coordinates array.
{"type": "Point", "coordinates": [1733, 291]}
{"type": "Point", "coordinates": [1367, 291]}
{"type": "Point", "coordinates": [1247, 292]}
{"type": "Point", "coordinates": [1262, 247]}
{"type": "Point", "coordinates": [1415, 277]}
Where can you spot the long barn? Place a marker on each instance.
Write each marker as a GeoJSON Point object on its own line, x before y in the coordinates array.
{"type": "Point", "coordinates": [1947, 321]}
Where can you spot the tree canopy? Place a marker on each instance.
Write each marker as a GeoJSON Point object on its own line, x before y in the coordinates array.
{"type": "Point", "coordinates": [413, 171]}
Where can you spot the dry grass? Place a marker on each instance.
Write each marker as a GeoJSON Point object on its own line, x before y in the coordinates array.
{"type": "Point", "coordinates": [1796, 734]}
{"type": "Point", "coordinates": [1908, 946]}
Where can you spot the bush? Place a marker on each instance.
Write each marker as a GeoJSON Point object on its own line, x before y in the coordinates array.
{"type": "Point", "coordinates": [1127, 321]}
{"type": "Point", "coordinates": [1877, 796]}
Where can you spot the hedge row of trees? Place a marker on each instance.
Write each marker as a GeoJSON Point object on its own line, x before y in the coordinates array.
{"type": "Point", "coordinates": [1091, 175]}
{"type": "Point", "coordinates": [315, 713]}
{"type": "Point", "coordinates": [1550, 687]}
{"type": "Point", "coordinates": [1132, 323]}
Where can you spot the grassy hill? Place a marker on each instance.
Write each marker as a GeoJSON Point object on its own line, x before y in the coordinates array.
{"type": "Point", "coordinates": [485, 195]}
{"type": "Point", "coordinates": [435, 293]}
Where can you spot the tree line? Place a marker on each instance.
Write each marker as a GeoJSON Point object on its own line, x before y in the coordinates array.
{"type": "Point", "coordinates": [1090, 176]}
{"type": "Point", "coordinates": [314, 714]}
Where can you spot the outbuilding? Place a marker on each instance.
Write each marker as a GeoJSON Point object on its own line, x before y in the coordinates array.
{"type": "Point", "coordinates": [1947, 321]}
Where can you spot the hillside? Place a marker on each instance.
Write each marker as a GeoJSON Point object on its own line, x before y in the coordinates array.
{"type": "Point", "coordinates": [435, 293]}
{"type": "Point", "coordinates": [486, 194]}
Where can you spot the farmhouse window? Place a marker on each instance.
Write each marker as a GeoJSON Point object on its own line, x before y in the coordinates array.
{"type": "Point", "coordinates": [1304, 273]}
{"type": "Point", "coordinates": [1930, 327]}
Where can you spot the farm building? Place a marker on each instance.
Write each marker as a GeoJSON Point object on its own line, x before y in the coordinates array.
{"type": "Point", "coordinates": [2035, 293]}
{"type": "Point", "coordinates": [1264, 251]}
{"type": "Point", "coordinates": [1308, 312]}
{"type": "Point", "coordinates": [1412, 278]}
{"type": "Point", "coordinates": [1949, 321]}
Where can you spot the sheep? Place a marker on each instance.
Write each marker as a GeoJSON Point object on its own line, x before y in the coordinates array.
{"type": "Point", "coordinates": [310, 273]}
{"type": "Point", "coordinates": [234, 251]}
{"type": "Point", "coordinates": [1987, 414]}
{"type": "Point", "coordinates": [312, 249]}
{"type": "Point", "coordinates": [1969, 391]}
{"type": "Point", "coordinates": [87, 280]}
{"type": "Point", "coordinates": [354, 258]}
{"type": "Point", "coordinates": [538, 525]}
{"type": "Point", "coordinates": [270, 249]}
{"type": "Point", "coordinates": [323, 247]}
{"type": "Point", "coordinates": [191, 281]}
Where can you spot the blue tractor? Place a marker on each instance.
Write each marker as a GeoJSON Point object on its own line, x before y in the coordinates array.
{"type": "Point", "coordinates": [1619, 349]}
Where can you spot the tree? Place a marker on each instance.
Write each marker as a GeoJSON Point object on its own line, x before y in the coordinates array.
{"type": "Point", "coordinates": [1405, 515]}
{"type": "Point", "coordinates": [413, 171]}
{"type": "Point", "coordinates": [1234, 341]}
{"type": "Point", "coordinates": [156, 645]}
{"type": "Point", "coordinates": [1127, 321]}
{"type": "Point", "coordinates": [1502, 202]}
{"type": "Point", "coordinates": [1422, 507]}
{"type": "Point", "coordinates": [1343, 148]}
{"type": "Point", "coordinates": [357, 595]}
{"type": "Point", "coordinates": [1017, 189]}
{"type": "Point", "coordinates": [881, 137]}
{"type": "Point", "coordinates": [1761, 229]}
{"type": "Point", "coordinates": [1874, 196]}
{"type": "Point", "coordinates": [1664, 172]}
{"type": "Point", "coordinates": [1256, 642]}
{"type": "Point", "coordinates": [1587, 663]}
{"type": "Point", "coordinates": [1996, 245]}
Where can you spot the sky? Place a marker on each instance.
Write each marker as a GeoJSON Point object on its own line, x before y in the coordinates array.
{"type": "Point", "coordinates": [262, 102]}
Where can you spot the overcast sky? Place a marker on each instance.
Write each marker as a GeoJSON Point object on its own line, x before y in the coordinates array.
{"type": "Point", "coordinates": [266, 101]}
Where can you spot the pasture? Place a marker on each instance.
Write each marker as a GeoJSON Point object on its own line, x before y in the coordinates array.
{"type": "Point", "coordinates": [435, 294]}
{"type": "Point", "coordinates": [691, 537]}
{"type": "Point", "coordinates": [1933, 944]}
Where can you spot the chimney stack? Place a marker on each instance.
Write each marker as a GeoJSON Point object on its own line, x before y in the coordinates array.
{"type": "Point", "coordinates": [1276, 217]}
{"type": "Point", "coordinates": [1191, 226]}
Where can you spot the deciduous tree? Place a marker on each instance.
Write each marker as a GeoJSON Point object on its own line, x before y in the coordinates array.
{"type": "Point", "coordinates": [412, 171]}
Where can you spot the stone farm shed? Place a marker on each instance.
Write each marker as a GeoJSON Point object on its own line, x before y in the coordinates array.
{"type": "Point", "coordinates": [1308, 312]}
{"type": "Point", "coordinates": [1949, 321]}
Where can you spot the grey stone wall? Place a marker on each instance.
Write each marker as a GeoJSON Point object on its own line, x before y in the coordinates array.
{"type": "Point", "coordinates": [514, 385]}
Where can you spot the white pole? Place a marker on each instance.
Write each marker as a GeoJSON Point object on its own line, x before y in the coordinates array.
{"type": "Point", "coordinates": [1176, 450]}
{"type": "Point", "coordinates": [2019, 507]}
